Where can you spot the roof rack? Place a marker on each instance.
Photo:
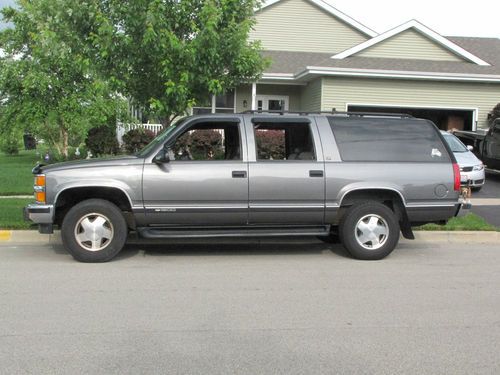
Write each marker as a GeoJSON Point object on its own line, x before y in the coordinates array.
{"type": "Point", "coordinates": [354, 114]}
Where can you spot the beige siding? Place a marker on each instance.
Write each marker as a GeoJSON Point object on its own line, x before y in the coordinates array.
{"type": "Point", "coordinates": [299, 25]}
{"type": "Point", "coordinates": [310, 96]}
{"type": "Point", "coordinates": [338, 92]}
{"type": "Point", "coordinates": [410, 44]}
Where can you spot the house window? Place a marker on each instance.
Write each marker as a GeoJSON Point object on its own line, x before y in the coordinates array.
{"type": "Point", "coordinates": [223, 103]}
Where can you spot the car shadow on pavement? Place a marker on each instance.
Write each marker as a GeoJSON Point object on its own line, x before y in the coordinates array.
{"type": "Point", "coordinates": [227, 247]}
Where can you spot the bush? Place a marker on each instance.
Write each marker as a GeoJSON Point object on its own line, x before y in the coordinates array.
{"type": "Point", "coordinates": [102, 141]}
{"type": "Point", "coordinates": [203, 144]}
{"type": "Point", "coordinates": [495, 113]}
{"type": "Point", "coordinates": [10, 145]}
{"type": "Point", "coordinates": [136, 139]}
{"type": "Point", "coordinates": [271, 144]}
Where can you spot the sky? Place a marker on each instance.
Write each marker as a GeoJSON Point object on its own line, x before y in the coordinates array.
{"type": "Point", "coordinates": [447, 17]}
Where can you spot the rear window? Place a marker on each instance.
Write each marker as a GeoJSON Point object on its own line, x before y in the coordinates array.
{"type": "Point", "coordinates": [388, 140]}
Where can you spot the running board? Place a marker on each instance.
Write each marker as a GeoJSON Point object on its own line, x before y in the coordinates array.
{"type": "Point", "coordinates": [204, 232]}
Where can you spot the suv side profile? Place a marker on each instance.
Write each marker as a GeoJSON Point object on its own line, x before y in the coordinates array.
{"type": "Point", "coordinates": [359, 178]}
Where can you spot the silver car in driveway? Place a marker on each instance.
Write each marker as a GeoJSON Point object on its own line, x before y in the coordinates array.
{"type": "Point", "coordinates": [470, 166]}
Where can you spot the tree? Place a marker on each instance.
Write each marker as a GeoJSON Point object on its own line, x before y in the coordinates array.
{"type": "Point", "coordinates": [48, 85]}
{"type": "Point", "coordinates": [168, 55]}
{"type": "Point", "coordinates": [495, 113]}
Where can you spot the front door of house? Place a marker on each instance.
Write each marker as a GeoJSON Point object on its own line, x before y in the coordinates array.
{"type": "Point", "coordinates": [272, 102]}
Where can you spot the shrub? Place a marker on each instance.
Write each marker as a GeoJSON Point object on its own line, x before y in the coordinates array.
{"type": "Point", "coordinates": [102, 141]}
{"type": "Point", "coordinates": [203, 144]}
{"type": "Point", "coordinates": [271, 144]}
{"type": "Point", "coordinates": [10, 145]}
{"type": "Point", "coordinates": [134, 140]}
{"type": "Point", "coordinates": [495, 113]}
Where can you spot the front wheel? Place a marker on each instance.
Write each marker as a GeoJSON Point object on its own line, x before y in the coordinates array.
{"type": "Point", "coordinates": [369, 230]}
{"type": "Point", "coordinates": [94, 231]}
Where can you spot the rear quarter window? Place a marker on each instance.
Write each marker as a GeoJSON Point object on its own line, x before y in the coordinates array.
{"type": "Point", "coordinates": [388, 140]}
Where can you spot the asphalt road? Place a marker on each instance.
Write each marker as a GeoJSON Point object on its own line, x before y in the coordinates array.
{"type": "Point", "coordinates": [254, 308]}
{"type": "Point", "coordinates": [491, 189]}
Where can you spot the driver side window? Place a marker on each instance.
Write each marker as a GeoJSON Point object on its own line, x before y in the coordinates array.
{"type": "Point", "coordinates": [208, 141]}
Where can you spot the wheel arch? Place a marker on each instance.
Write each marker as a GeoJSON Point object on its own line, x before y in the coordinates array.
{"type": "Point", "coordinates": [391, 197]}
{"type": "Point", "coordinates": [72, 195]}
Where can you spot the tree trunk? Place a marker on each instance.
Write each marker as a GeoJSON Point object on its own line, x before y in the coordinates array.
{"type": "Point", "coordinates": [64, 140]}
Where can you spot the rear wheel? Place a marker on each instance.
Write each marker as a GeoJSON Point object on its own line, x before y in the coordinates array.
{"type": "Point", "coordinates": [94, 231]}
{"type": "Point", "coordinates": [369, 230]}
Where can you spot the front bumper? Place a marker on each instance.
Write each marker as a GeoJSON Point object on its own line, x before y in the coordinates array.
{"type": "Point", "coordinates": [39, 213]}
{"type": "Point", "coordinates": [475, 178]}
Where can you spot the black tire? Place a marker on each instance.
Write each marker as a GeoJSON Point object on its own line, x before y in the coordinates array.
{"type": "Point", "coordinates": [476, 189]}
{"type": "Point", "coordinates": [383, 216]}
{"type": "Point", "coordinates": [93, 212]}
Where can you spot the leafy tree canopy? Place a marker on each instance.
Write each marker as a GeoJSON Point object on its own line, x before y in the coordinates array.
{"type": "Point", "coordinates": [170, 54]}
{"type": "Point", "coordinates": [48, 84]}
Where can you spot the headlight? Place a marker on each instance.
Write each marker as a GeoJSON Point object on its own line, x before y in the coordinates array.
{"type": "Point", "coordinates": [39, 188]}
{"type": "Point", "coordinates": [479, 167]}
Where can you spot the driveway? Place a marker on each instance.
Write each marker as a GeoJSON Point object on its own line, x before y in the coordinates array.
{"type": "Point", "coordinates": [251, 308]}
{"type": "Point", "coordinates": [490, 190]}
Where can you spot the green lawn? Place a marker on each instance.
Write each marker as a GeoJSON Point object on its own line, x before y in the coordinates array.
{"type": "Point", "coordinates": [467, 222]}
{"type": "Point", "coordinates": [11, 216]}
{"type": "Point", "coordinates": [15, 173]}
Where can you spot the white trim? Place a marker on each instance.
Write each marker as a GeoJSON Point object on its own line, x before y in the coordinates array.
{"type": "Point", "coordinates": [375, 73]}
{"type": "Point", "coordinates": [442, 41]}
{"type": "Point", "coordinates": [214, 103]}
{"type": "Point", "coordinates": [254, 96]}
{"type": "Point", "coordinates": [334, 12]}
{"type": "Point", "coordinates": [475, 110]}
{"type": "Point", "coordinates": [266, 98]}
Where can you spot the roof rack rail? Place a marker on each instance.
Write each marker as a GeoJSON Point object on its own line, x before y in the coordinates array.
{"type": "Point", "coordinates": [306, 113]}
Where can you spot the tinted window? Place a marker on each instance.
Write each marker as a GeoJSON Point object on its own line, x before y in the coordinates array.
{"type": "Point", "coordinates": [387, 140]}
{"type": "Point", "coordinates": [208, 141]}
{"type": "Point", "coordinates": [284, 141]}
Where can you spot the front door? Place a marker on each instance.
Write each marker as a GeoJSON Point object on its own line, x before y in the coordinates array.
{"type": "Point", "coordinates": [272, 102]}
{"type": "Point", "coordinates": [206, 180]}
{"type": "Point", "coordinates": [286, 171]}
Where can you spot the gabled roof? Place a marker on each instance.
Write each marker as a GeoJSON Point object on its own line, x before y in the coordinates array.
{"type": "Point", "coordinates": [422, 29]}
{"type": "Point", "coordinates": [334, 12]}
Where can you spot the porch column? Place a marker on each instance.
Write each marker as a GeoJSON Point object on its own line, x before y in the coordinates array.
{"type": "Point", "coordinates": [254, 96]}
{"type": "Point", "coordinates": [213, 104]}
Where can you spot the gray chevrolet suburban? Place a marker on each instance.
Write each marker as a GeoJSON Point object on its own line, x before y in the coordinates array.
{"type": "Point", "coordinates": [358, 178]}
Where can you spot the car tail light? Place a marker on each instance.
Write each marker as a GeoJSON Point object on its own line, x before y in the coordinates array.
{"type": "Point", "coordinates": [456, 177]}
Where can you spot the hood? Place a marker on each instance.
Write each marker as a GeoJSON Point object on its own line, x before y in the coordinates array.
{"type": "Point", "coordinates": [89, 163]}
{"type": "Point", "coordinates": [466, 159]}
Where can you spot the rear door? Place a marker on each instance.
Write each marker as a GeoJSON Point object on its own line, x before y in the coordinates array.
{"type": "Point", "coordinates": [491, 148]}
{"type": "Point", "coordinates": [286, 171]}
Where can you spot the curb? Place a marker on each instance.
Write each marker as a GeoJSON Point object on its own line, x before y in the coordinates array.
{"type": "Point", "coordinates": [459, 237]}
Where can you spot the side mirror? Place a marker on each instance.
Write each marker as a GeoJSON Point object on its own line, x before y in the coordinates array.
{"type": "Point", "coordinates": [470, 148]}
{"type": "Point", "coordinates": [162, 157]}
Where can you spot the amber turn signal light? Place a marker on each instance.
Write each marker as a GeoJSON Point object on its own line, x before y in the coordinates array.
{"type": "Point", "coordinates": [40, 196]}
{"type": "Point", "coordinates": [40, 180]}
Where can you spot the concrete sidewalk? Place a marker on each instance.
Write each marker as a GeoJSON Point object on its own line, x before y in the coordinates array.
{"type": "Point", "coordinates": [462, 237]}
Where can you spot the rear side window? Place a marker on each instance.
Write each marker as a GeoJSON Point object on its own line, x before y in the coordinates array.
{"type": "Point", "coordinates": [388, 140]}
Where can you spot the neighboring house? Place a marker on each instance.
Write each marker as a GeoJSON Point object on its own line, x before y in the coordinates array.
{"type": "Point", "coordinates": [323, 60]}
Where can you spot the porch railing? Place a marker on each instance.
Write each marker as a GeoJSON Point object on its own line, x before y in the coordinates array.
{"type": "Point", "coordinates": [121, 129]}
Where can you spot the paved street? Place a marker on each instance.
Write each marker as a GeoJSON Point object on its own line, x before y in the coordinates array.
{"type": "Point", "coordinates": [490, 190]}
{"type": "Point", "coordinates": [230, 307]}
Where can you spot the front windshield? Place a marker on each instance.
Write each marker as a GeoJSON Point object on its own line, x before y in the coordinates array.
{"type": "Point", "coordinates": [455, 144]}
{"type": "Point", "coordinates": [160, 138]}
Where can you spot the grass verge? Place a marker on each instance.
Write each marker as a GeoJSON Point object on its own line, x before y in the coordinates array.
{"type": "Point", "coordinates": [11, 216]}
{"type": "Point", "coordinates": [469, 222]}
{"type": "Point", "coordinates": [15, 173]}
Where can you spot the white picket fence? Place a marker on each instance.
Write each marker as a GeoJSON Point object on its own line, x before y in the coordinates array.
{"type": "Point", "coordinates": [121, 129]}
